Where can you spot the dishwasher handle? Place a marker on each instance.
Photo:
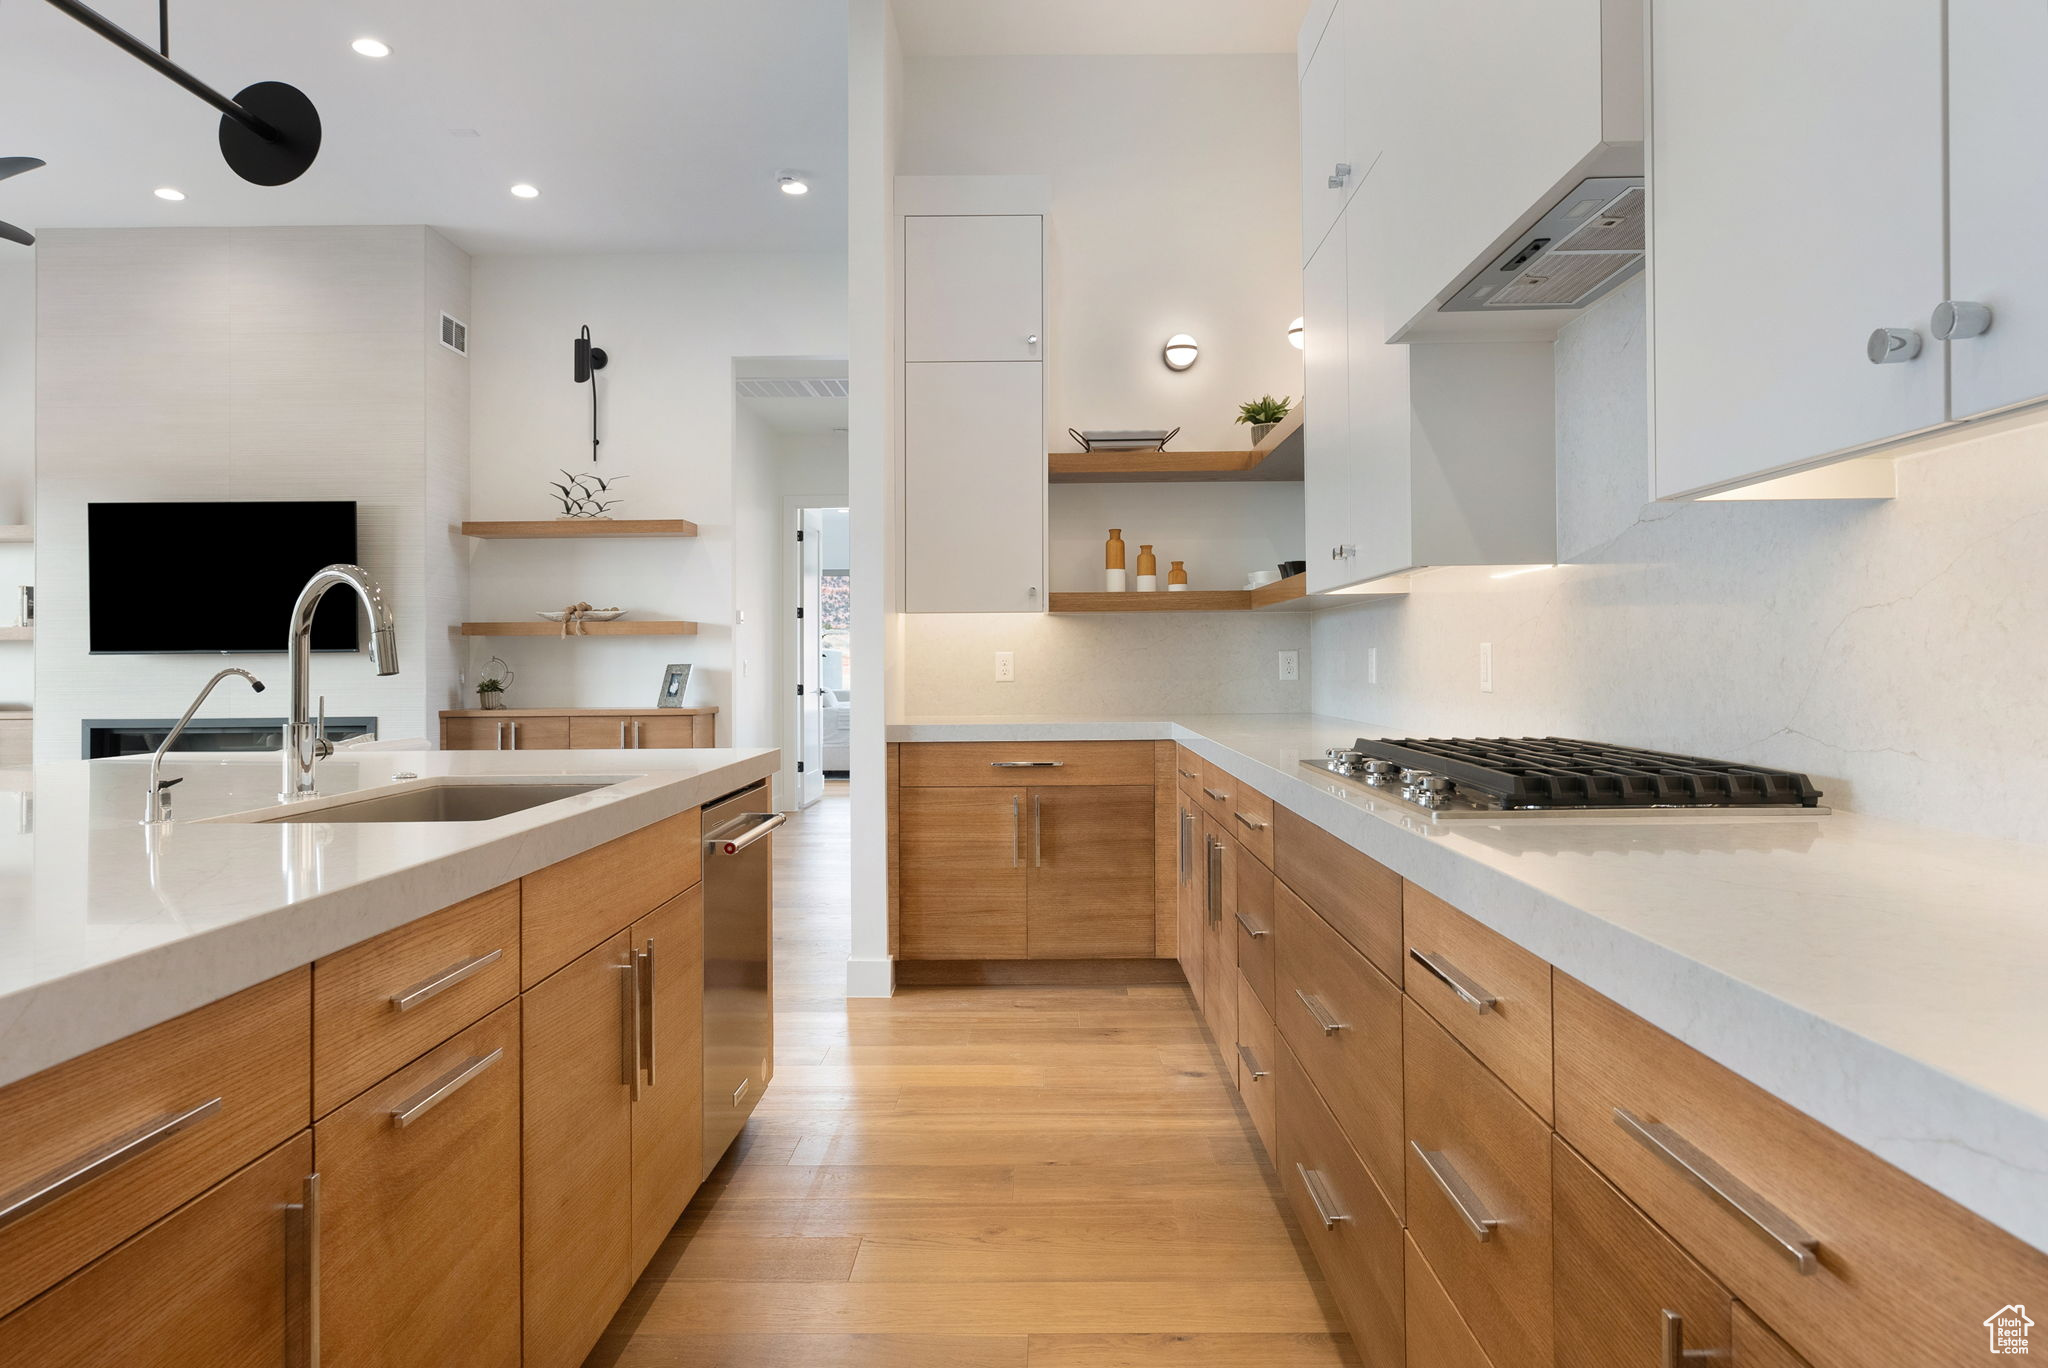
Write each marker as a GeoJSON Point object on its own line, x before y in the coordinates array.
{"type": "Point", "coordinates": [735, 837]}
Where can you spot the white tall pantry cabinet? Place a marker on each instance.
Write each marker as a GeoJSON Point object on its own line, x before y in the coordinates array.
{"type": "Point", "coordinates": [974, 463]}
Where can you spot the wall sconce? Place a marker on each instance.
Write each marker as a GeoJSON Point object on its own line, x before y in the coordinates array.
{"type": "Point", "coordinates": [1294, 333]}
{"type": "Point", "coordinates": [1180, 352]}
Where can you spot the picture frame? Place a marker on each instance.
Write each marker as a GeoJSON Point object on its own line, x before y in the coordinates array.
{"type": "Point", "coordinates": [675, 683]}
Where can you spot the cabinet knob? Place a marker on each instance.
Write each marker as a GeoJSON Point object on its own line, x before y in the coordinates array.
{"type": "Point", "coordinates": [1339, 174]}
{"type": "Point", "coordinates": [1031, 341]}
{"type": "Point", "coordinates": [1887, 345]}
{"type": "Point", "coordinates": [1956, 319]}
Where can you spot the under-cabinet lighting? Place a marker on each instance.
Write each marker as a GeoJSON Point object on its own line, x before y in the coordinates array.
{"type": "Point", "coordinates": [1521, 570]}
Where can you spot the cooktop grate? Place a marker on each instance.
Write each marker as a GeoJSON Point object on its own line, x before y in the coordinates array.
{"type": "Point", "coordinates": [1555, 771]}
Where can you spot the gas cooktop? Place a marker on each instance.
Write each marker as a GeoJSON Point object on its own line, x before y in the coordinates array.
{"type": "Point", "coordinates": [1554, 776]}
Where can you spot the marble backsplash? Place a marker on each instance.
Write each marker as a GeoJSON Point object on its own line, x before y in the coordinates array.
{"type": "Point", "coordinates": [1893, 649]}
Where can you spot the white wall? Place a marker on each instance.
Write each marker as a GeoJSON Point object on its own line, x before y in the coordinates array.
{"type": "Point", "coordinates": [672, 326]}
{"type": "Point", "coordinates": [17, 457]}
{"type": "Point", "coordinates": [1222, 531]}
{"type": "Point", "coordinates": [1893, 649]}
{"type": "Point", "coordinates": [246, 363]}
{"type": "Point", "coordinates": [1174, 209]}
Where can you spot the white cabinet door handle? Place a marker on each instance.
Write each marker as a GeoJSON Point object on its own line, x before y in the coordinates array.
{"type": "Point", "coordinates": [1956, 319]}
{"type": "Point", "coordinates": [1890, 345]}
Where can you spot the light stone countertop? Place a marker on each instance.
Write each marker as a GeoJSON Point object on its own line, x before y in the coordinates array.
{"type": "Point", "coordinates": [108, 926]}
{"type": "Point", "coordinates": [1889, 980]}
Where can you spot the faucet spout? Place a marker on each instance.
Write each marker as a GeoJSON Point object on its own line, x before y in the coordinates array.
{"type": "Point", "coordinates": [157, 804]}
{"type": "Point", "coordinates": [304, 746]}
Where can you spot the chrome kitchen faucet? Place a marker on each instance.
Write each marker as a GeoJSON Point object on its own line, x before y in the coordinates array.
{"type": "Point", "coordinates": [305, 742]}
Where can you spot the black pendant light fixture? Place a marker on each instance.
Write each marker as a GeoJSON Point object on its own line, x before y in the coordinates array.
{"type": "Point", "coordinates": [269, 132]}
{"type": "Point", "coordinates": [589, 361]}
{"type": "Point", "coordinates": [14, 166]}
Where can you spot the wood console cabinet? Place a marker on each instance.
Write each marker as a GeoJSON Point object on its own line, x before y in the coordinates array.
{"type": "Point", "coordinates": [579, 728]}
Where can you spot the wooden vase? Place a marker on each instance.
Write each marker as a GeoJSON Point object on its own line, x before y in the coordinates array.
{"type": "Point", "coordinates": [1177, 577]}
{"type": "Point", "coordinates": [1113, 561]}
{"type": "Point", "coordinates": [1148, 570]}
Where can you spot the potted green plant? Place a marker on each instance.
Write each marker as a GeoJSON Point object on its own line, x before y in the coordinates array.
{"type": "Point", "coordinates": [1264, 414]}
{"type": "Point", "coordinates": [490, 690]}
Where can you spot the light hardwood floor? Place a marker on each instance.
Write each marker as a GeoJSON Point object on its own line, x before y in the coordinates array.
{"type": "Point", "coordinates": [976, 1178]}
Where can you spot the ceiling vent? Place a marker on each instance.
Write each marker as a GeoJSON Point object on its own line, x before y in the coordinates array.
{"type": "Point", "coordinates": [828, 387]}
{"type": "Point", "coordinates": [455, 335]}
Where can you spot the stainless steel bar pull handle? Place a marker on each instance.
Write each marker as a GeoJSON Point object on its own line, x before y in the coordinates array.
{"type": "Point", "coordinates": [441, 1089]}
{"type": "Point", "coordinates": [1219, 797]}
{"type": "Point", "coordinates": [1038, 831]}
{"type": "Point", "coordinates": [1215, 880]}
{"type": "Point", "coordinates": [622, 733]}
{"type": "Point", "coordinates": [501, 736]}
{"type": "Point", "coordinates": [726, 842]}
{"type": "Point", "coordinates": [1187, 848]}
{"type": "Point", "coordinates": [1326, 1206]}
{"type": "Point", "coordinates": [636, 732]}
{"type": "Point", "coordinates": [1016, 831]}
{"type": "Point", "coordinates": [1027, 764]}
{"type": "Point", "coordinates": [1254, 932]}
{"type": "Point", "coordinates": [302, 1273]}
{"type": "Point", "coordinates": [1470, 1209]}
{"type": "Point", "coordinates": [1448, 974]}
{"type": "Point", "coordinates": [99, 1161]}
{"type": "Point", "coordinates": [1320, 1013]}
{"type": "Point", "coordinates": [408, 998]}
{"type": "Point", "coordinates": [1186, 774]}
{"type": "Point", "coordinates": [629, 1024]}
{"type": "Point", "coordinates": [1786, 1235]}
{"type": "Point", "coordinates": [645, 974]}
{"type": "Point", "coordinates": [1250, 823]}
{"type": "Point", "coordinates": [1250, 1062]}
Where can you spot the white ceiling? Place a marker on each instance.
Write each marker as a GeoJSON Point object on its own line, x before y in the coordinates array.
{"type": "Point", "coordinates": [1070, 28]}
{"type": "Point", "coordinates": [806, 417]}
{"type": "Point", "coordinates": [647, 124]}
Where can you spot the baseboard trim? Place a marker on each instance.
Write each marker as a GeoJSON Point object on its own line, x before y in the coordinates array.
{"type": "Point", "coordinates": [871, 978]}
{"type": "Point", "coordinates": [1037, 973]}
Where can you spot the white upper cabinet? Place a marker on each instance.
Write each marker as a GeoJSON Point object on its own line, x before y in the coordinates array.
{"type": "Point", "coordinates": [1796, 246]}
{"type": "Point", "coordinates": [974, 487]}
{"type": "Point", "coordinates": [1328, 490]}
{"type": "Point", "coordinates": [1328, 173]}
{"type": "Point", "coordinates": [974, 287]}
{"type": "Point", "coordinates": [1998, 202]}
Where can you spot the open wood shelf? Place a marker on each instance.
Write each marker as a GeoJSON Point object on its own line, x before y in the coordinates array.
{"type": "Point", "coordinates": [16, 532]}
{"type": "Point", "coordinates": [27, 633]}
{"type": "Point", "coordinates": [553, 528]}
{"type": "Point", "coordinates": [1276, 458]}
{"type": "Point", "coordinates": [623, 627]}
{"type": "Point", "coordinates": [1292, 590]}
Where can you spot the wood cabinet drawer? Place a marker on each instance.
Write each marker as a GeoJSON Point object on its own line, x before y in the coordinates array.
{"type": "Point", "coordinates": [1343, 1021]}
{"type": "Point", "coordinates": [220, 1283]}
{"type": "Point", "coordinates": [537, 733]}
{"type": "Point", "coordinates": [1251, 821]}
{"type": "Point", "coordinates": [1187, 773]}
{"type": "Point", "coordinates": [1437, 1335]}
{"type": "Point", "coordinates": [1354, 893]}
{"type": "Point", "coordinates": [600, 733]}
{"type": "Point", "coordinates": [1253, 917]}
{"type": "Point", "coordinates": [238, 1069]}
{"type": "Point", "coordinates": [1217, 790]}
{"type": "Point", "coordinates": [1353, 1233]}
{"type": "Point", "coordinates": [420, 1216]}
{"type": "Point", "coordinates": [381, 1003]}
{"type": "Point", "coordinates": [1490, 993]}
{"type": "Point", "coordinates": [1040, 764]}
{"type": "Point", "coordinates": [1758, 1346]}
{"type": "Point", "coordinates": [572, 905]}
{"type": "Point", "coordinates": [1894, 1268]}
{"type": "Point", "coordinates": [1623, 1289]}
{"type": "Point", "coordinates": [1256, 1042]}
{"type": "Point", "coordinates": [1479, 1194]}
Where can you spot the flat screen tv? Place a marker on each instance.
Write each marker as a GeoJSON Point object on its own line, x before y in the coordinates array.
{"type": "Point", "coordinates": [214, 577]}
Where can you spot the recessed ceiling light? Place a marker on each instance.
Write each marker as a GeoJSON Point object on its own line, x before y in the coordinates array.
{"type": "Point", "coordinates": [165, 192]}
{"type": "Point", "coordinates": [371, 47]}
{"type": "Point", "coordinates": [525, 191]}
{"type": "Point", "coordinates": [792, 184]}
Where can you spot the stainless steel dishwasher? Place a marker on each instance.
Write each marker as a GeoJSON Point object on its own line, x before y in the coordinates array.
{"type": "Point", "coordinates": [739, 1026]}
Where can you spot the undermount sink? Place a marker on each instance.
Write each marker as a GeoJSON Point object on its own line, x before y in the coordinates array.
{"type": "Point", "coordinates": [434, 802]}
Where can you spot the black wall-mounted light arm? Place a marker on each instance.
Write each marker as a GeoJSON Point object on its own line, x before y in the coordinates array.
{"type": "Point", "coordinates": [269, 133]}
{"type": "Point", "coordinates": [589, 361]}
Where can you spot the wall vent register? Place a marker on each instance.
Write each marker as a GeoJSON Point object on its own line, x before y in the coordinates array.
{"type": "Point", "coordinates": [1556, 776]}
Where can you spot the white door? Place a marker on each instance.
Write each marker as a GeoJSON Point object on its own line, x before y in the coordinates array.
{"type": "Point", "coordinates": [1796, 207]}
{"type": "Point", "coordinates": [810, 719]}
{"type": "Point", "coordinates": [974, 488]}
{"type": "Point", "coordinates": [974, 288]}
{"type": "Point", "coordinates": [1322, 137]}
{"type": "Point", "coordinates": [1378, 511]}
{"type": "Point", "coordinates": [1998, 200]}
{"type": "Point", "coordinates": [1326, 430]}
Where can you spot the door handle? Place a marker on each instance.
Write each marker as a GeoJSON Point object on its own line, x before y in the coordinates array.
{"type": "Point", "coordinates": [1016, 831]}
{"type": "Point", "coordinates": [1785, 1234]}
{"type": "Point", "coordinates": [1250, 823]}
{"type": "Point", "coordinates": [764, 822]}
{"type": "Point", "coordinates": [501, 736]}
{"type": "Point", "coordinates": [103, 1159]}
{"type": "Point", "coordinates": [302, 1270]}
{"type": "Point", "coordinates": [515, 734]}
{"type": "Point", "coordinates": [442, 1088]}
{"type": "Point", "coordinates": [1321, 1014]}
{"type": "Point", "coordinates": [1470, 1209]}
{"type": "Point", "coordinates": [1038, 831]}
{"type": "Point", "coordinates": [1956, 319]}
{"type": "Point", "coordinates": [1250, 1062]}
{"type": "Point", "coordinates": [1027, 764]}
{"type": "Point", "coordinates": [629, 1023]}
{"type": "Point", "coordinates": [1254, 932]}
{"type": "Point", "coordinates": [1326, 1207]}
{"type": "Point", "coordinates": [1888, 346]}
{"type": "Point", "coordinates": [645, 975]}
{"type": "Point", "coordinates": [622, 733]}
{"type": "Point", "coordinates": [1448, 974]}
{"type": "Point", "coordinates": [408, 998]}
{"type": "Point", "coordinates": [1187, 854]}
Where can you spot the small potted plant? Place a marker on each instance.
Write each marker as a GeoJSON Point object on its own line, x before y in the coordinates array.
{"type": "Point", "coordinates": [490, 690]}
{"type": "Point", "coordinates": [1264, 414]}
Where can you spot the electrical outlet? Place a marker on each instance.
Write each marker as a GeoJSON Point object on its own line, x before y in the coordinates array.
{"type": "Point", "coordinates": [1372, 664]}
{"type": "Point", "coordinates": [1486, 667]}
{"type": "Point", "coordinates": [1290, 665]}
{"type": "Point", "coordinates": [1006, 667]}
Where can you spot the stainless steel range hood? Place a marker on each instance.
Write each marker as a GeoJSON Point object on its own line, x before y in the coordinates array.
{"type": "Point", "coordinates": [1584, 245]}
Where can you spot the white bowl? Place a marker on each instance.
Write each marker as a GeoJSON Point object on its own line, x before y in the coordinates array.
{"type": "Point", "coordinates": [1259, 579]}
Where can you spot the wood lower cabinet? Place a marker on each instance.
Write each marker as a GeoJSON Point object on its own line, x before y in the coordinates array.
{"type": "Point", "coordinates": [578, 1127]}
{"type": "Point", "coordinates": [579, 728]}
{"type": "Point", "coordinates": [220, 1283]}
{"type": "Point", "coordinates": [1437, 1335]}
{"type": "Point", "coordinates": [1219, 928]}
{"type": "Point", "coordinates": [420, 1182]}
{"type": "Point", "coordinates": [1625, 1295]}
{"type": "Point", "coordinates": [668, 1131]}
{"type": "Point", "coordinates": [1057, 872]}
{"type": "Point", "coordinates": [1758, 1346]}
{"type": "Point", "coordinates": [1257, 1043]}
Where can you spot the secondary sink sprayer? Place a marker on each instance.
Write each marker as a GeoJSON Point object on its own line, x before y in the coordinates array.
{"type": "Point", "coordinates": [305, 740]}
